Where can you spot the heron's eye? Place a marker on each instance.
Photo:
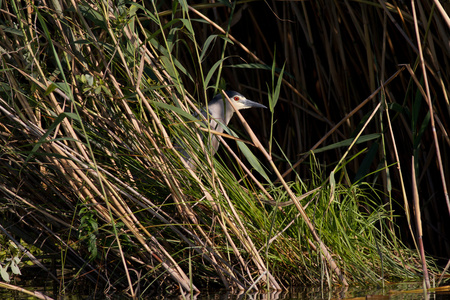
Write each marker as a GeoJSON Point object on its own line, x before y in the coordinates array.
{"type": "Point", "coordinates": [236, 98]}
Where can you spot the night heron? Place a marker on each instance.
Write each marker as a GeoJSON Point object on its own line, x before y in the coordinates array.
{"type": "Point", "coordinates": [220, 114]}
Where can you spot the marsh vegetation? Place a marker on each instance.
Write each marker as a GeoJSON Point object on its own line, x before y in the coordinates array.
{"type": "Point", "coordinates": [325, 187]}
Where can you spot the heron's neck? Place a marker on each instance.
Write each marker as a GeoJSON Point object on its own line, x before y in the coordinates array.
{"type": "Point", "coordinates": [220, 113]}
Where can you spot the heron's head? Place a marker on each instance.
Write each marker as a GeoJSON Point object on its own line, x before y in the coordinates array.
{"type": "Point", "coordinates": [239, 100]}
{"type": "Point", "coordinates": [220, 108]}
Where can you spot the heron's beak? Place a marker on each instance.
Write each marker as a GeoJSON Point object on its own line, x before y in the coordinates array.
{"type": "Point", "coordinates": [249, 103]}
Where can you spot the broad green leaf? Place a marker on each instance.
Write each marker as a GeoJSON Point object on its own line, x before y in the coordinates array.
{"type": "Point", "coordinates": [276, 92]}
{"type": "Point", "coordinates": [63, 86]}
{"type": "Point", "coordinates": [93, 15]}
{"type": "Point", "coordinates": [172, 39]}
{"type": "Point", "coordinates": [184, 5]}
{"type": "Point", "coordinates": [177, 110]}
{"type": "Point", "coordinates": [188, 25]}
{"type": "Point", "coordinates": [251, 158]}
{"type": "Point", "coordinates": [12, 31]}
{"type": "Point", "coordinates": [212, 70]}
{"type": "Point", "coordinates": [50, 89]}
{"type": "Point", "coordinates": [252, 66]}
{"type": "Point", "coordinates": [259, 67]}
{"type": "Point", "coordinates": [346, 143]}
{"type": "Point", "coordinates": [209, 40]}
{"type": "Point", "coordinates": [4, 273]}
{"type": "Point", "coordinates": [15, 268]}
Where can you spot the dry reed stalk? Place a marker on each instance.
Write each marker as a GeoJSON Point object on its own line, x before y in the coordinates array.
{"type": "Point", "coordinates": [419, 234]}
{"type": "Point", "coordinates": [427, 97]}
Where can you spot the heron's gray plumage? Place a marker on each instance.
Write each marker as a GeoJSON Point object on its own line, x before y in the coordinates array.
{"type": "Point", "coordinates": [220, 112]}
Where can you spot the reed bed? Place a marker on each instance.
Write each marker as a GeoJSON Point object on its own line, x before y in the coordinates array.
{"type": "Point", "coordinates": [98, 97]}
